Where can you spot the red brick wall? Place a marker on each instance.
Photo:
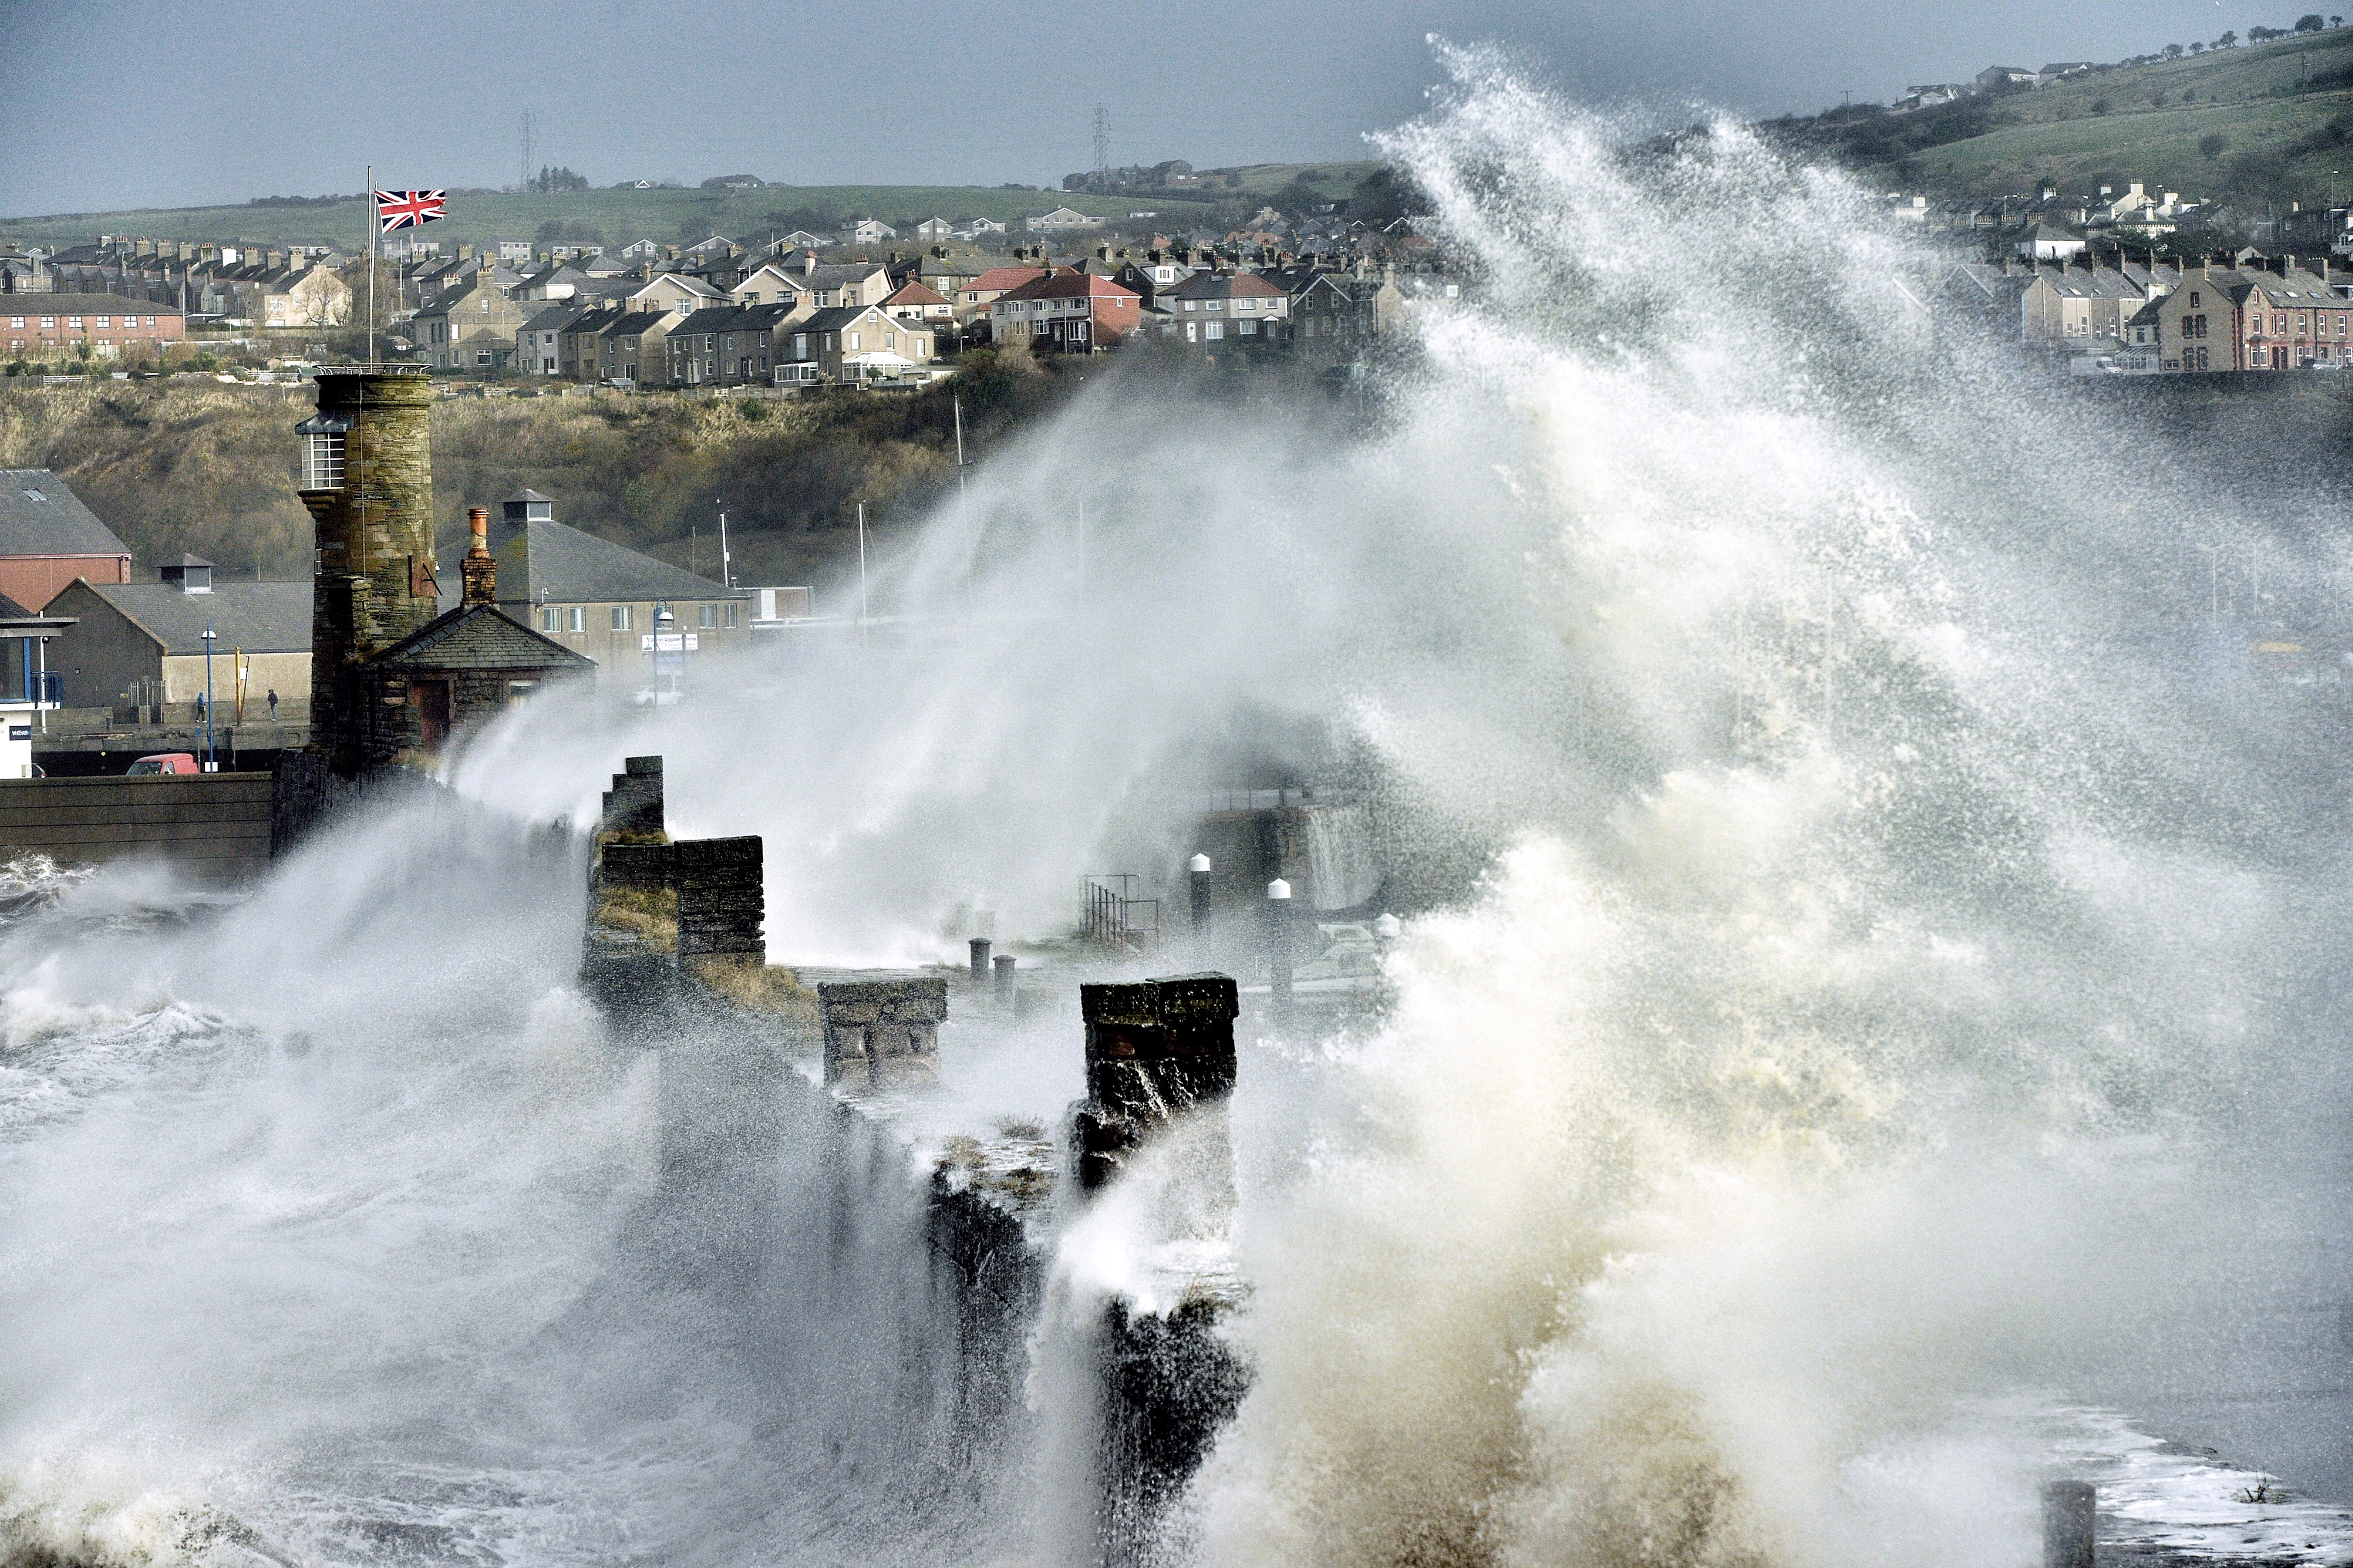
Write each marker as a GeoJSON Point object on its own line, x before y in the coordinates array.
{"type": "Point", "coordinates": [29, 325]}
{"type": "Point", "coordinates": [1115, 316]}
{"type": "Point", "coordinates": [34, 580]}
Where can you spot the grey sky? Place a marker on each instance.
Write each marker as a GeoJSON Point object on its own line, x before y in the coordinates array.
{"type": "Point", "coordinates": [107, 104]}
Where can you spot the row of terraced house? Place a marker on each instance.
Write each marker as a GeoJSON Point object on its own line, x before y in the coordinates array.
{"type": "Point", "coordinates": [2245, 312]}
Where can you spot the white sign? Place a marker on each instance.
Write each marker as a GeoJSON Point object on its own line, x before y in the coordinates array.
{"type": "Point", "coordinates": [670, 642]}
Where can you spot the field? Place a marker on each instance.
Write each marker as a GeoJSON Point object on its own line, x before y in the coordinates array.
{"type": "Point", "coordinates": [618, 217]}
{"type": "Point", "coordinates": [2260, 123]}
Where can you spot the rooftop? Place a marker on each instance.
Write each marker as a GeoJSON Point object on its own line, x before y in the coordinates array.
{"type": "Point", "coordinates": [40, 516]}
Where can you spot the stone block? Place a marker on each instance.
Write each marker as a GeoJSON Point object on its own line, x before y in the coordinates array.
{"type": "Point", "coordinates": [881, 1033]}
{"type": "Point", "coordinates": [1154, 1048]}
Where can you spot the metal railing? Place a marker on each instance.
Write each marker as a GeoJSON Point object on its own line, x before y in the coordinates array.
{"type": "Point", "coordinates": [1115, 917]}
{"type": "Point", "coordinates": [1210, 801]}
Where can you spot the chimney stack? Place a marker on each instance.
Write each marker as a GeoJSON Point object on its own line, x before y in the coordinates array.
{"type": "Point", "coordinates": [480, 570]}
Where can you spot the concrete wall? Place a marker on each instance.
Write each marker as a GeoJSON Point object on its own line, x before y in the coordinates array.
{"type": "Point", "coordinates": [288, 673]}
{"type": "Point", "coordinates": [214, 824]}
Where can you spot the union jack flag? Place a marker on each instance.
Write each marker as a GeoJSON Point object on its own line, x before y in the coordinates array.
{"type": "Point", "coordinates": [406, 209]}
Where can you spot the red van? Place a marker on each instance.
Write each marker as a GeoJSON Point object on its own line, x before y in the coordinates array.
{"type": "Point", "coordinates": [165, 763]}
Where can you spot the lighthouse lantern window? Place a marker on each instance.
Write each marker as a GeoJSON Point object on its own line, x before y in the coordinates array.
{"type": "Point", "coordinates": [322, 461]}
{"type": "Point", "coordinates": [322, 450]}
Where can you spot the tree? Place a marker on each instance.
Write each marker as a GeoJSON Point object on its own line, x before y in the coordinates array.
{"type": "Point", "coordinates": [2309, 22]}
{"type": "Point", "coordinates": [2214, 144]}
{"type": "Point", "coordinates": [558, 231]}
{"type": "Point", "coordinates": [558, 179]}
{"type": "Point", "coordinates": [2173, 51]}
{"type": "Point", "coordinates": [2227, 41]}
{"type": "Point", "coordinates": [2100, 106]}
{"type": "Point", "coordinates": [2195, 48]}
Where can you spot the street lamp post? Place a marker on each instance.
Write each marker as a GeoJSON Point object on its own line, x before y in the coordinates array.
{"type": "Point", "coordinates": [209, 635]}
{"type": "Point", "coordinates": [665, 628]}
{"type": "Point", "coordinates": [1197, 872]}
{"type": "Point", "coordinates": [1278, 941]}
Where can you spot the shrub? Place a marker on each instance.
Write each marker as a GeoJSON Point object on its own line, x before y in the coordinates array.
{"type": "Point", "coordinates": [2100, 106]}
{"type": "Point", "coordinates": [2214, 144]}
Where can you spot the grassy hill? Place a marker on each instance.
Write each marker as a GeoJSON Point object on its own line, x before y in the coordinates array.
{"type": "Point", "coordinates": [2270, 121]}
{"type": "Point", "coordinates": [191, 464]}
{"type": "Point", "coordinates": [620, 216]}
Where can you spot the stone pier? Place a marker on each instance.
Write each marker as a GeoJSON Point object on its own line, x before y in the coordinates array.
{"type": "Point", "coordinates": [1154, 1048]}
{"type": "Point", "coordinates": [669, 924]}
{"type": "Point", "coordinates": [654, 903]}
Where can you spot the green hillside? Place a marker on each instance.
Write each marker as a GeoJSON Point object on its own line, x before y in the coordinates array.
{"type": "Point", "coordinates": [2270, 121]}
{"type": "Point", "coordinates": [620, 217]}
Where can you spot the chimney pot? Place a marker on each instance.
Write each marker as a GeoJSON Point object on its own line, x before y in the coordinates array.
{"type": "Point", "coordinates": [480, 570]}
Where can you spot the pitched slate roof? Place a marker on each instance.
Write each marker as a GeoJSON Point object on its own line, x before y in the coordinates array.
{"type": "Point", "coordinates": [39, 516]}
{"type": "Point", "coordinates": [257, 617]}
{"type": "Point", "coordinates": [544, 561]}
{"type": "Point", "coordinates": [479, 636]}
{"type": "Point", "coordinates": [1075, 285]}
{"type": "Point", "coordinates": [555, 318]}
{"type": "Point", "coordinates": [1225, 286]}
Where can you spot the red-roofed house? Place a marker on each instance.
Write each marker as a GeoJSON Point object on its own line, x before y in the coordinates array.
{"type": "Point", "coordinates": [914, 302]}
{"type": "Point", "coordinates": [1065, 312]}
{"type": "Point", "coordinates": [976, 295]}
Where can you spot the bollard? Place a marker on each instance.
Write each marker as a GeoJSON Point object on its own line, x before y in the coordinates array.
{"type": "Point", "coordinates": [980, 961]}
{"type": "Point", "coordinates": [1005, 982]}
{"type": "Point", "coordinates": [1196, 871]}
{"type": "Point", "coordinates": [2070, 1519]}
{"type": "Point", "coordinates": [1278, 944]}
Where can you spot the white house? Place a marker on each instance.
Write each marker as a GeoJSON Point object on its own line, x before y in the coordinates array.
{"type": "Point", "coordinates": [2046, 243]}
{"type": "Point", "coordinates": [1062, 218]}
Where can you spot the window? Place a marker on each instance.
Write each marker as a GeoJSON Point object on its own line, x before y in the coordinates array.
{"type": "Point", "coordinates": [17, 321]}
{"type": "Point", "coordinates": [730, 616]}
{"type": "Point", "coordinates": [104, 322]}
{"type": "Point", "coordinates": [621, 617]}
{"type": "Point", "coordinates": [322, 462]}
{"type": "Point", "coordinates": [706, 615]}
{"type": "Point", "coordinates": [575, 619]}
{"type": "Point", "coordinates": [151, 320]}
{"type": "Point", "coordinates": [550, 620]}
{"type": "Point", "coordinates": [1217, 329]}
{"type": "Point", "coordinates": [73, 321]}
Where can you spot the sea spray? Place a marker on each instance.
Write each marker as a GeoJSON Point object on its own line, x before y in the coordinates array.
{"type": "Point", "coordinates": [1864, 962]}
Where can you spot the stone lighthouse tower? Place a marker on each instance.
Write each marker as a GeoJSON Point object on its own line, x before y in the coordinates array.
{"type": "Point", "coordinates": [367, 479]}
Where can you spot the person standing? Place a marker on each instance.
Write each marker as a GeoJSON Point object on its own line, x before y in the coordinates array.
{"type": "Point", "coordinates": [273, 705]}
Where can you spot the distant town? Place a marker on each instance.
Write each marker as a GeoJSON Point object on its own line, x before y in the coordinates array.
{"type": "Point", "coordinates": [866, 305]}
{"type": "Point", "coordinates": [2106, 262]}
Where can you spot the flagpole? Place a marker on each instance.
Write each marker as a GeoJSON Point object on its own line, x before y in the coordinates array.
{"type": "Point", "coordinates": [376, 222]}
